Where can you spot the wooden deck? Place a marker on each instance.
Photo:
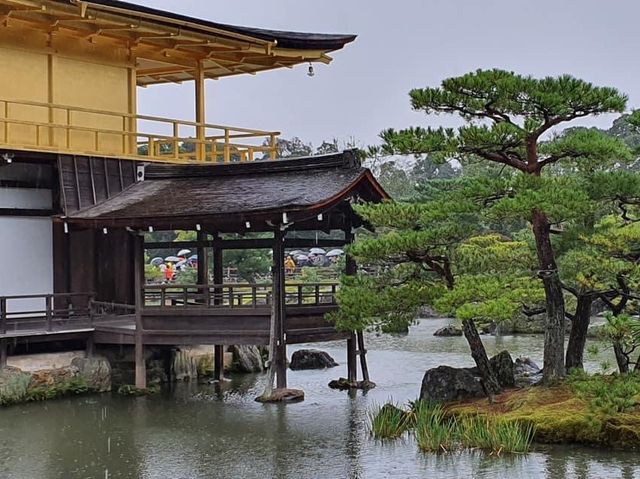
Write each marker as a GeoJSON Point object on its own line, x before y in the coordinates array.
{"type": "Point", "coordinates": [173, 315]}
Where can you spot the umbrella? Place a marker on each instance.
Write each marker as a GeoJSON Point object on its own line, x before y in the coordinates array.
{"type": "Point", "coordinates": [302, 257]}
{"type": "Point", "coordinates": [157, 261]}
{"type": "Point", "coordinates": [296, 252]}
{"type": "Point", "coordinates": [317, 251]}
{"type": "Point", "coordinates": [184, 252]}
{"type": "Point", "coordinates": [335, 252]}
{"type": "Point", "coordinates": [172, 259]}
{"type": "Point", "coordinates": [193, 257]}
{"type": "Point", "coordinates": [181, 263]}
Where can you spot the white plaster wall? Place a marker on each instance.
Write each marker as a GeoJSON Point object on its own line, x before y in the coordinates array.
{"type": "Point", "coordinates": [26, 259]}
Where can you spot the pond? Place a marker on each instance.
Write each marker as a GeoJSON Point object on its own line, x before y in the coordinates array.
{"type": "Point", "coordinates": [218, 431]}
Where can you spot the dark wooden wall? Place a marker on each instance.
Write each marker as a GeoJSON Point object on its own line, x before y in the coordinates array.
{"type": "Point", "coordinates": [87, 181]}
{"type": "Point", "coordinates": [90, 261]}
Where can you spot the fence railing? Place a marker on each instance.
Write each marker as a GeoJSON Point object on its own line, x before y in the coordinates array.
{"type": "Point", "coordinates": [55, 312]}
{"type": "Point", "coordinates": [67, 129]}
{"type": "Point", "coordinates": [236, 295]}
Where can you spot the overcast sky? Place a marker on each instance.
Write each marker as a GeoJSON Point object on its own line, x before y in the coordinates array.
{"type": "Point", "coordinates": [403, 44]}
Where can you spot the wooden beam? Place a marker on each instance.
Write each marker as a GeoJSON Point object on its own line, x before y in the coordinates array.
{"type": "Point", "coordinates": [250, 243]}
{"type": "Point", "coordinates": [25, 212]}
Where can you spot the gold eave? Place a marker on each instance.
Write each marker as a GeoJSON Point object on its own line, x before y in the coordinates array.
{"type": "Point", "coordinates": [161, 52]}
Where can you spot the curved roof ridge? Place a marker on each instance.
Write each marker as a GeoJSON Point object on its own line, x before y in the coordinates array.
{"type": "Point", "coordinates": [285, 39]}
{"type": "Point", "coordinates": [347, 159]}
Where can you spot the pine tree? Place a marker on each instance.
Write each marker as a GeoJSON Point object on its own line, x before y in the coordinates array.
{"type": "Point", "coordinates": [510, 121]}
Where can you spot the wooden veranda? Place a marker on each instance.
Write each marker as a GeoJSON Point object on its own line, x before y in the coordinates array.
{"type": "Point", "coordinates": [261, 205]}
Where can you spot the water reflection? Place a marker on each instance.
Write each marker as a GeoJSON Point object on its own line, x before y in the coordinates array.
{"type": "Point", "coordinates": [218, 431]}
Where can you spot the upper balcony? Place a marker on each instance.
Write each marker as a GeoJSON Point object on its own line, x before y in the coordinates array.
{"type": "Point", "coordinates": [35, 126]}
{"type": "Point", "coordinates": [70, 69]}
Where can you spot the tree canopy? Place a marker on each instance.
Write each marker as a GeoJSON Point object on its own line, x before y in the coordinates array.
{"type": "Point", "coordinates": [446, 248]}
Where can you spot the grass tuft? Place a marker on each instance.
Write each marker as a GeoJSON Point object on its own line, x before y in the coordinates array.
{"type": "Point", "coordinates": [388, 421]}
{"type": "Point", "coordinates": [437, 432]}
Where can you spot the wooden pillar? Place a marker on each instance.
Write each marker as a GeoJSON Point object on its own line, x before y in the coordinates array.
{"type": "Point", "coordinates": [89, 347]}
{"type": "Point", "coordinates": [3, 353]}
{"type": "Point", "coordinates": [218, 349]}
{"type": "Point", "coordinates": [218, 362]}
{"type": "Point", "coordinates": [138, 268]}
{"type": "Point", "coordinates": [203, 263]}
{"type": "Point", "coordinates": [278, 305]}
{"type": "Point", "coordinates": [200, 112]}
{"type": "Point", "coordinates": [3, 330]}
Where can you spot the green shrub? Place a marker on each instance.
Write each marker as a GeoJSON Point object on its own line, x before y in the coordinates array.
{"type": "Point", "coordinates": [608, 395]}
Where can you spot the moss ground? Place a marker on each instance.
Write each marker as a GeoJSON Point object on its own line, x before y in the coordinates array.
{"type": "Point", "coordinates": [577, 411]}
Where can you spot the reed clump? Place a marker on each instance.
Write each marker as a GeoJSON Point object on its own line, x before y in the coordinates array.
{"type": "Point", "coordinates": [436, 431]}
{"type": "Point", "coordinates": [388, 421]}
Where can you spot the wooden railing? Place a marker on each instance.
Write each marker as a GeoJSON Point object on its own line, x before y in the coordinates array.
{"type": "Point", "coordinates": [28, 125]}
{"type": "Point", "coordinates": [236, 295]}
{"type": "Point", "coordinates": [55, 312]}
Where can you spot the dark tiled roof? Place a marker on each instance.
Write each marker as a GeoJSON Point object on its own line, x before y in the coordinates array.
{"type": "Point", "coordinates": [242, 189]}
{"type": "Point", "coordinates": [294, 40]}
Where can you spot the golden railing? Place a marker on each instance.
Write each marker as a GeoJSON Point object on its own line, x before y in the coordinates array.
{"type": "Point", "coordinates": [34, 126]}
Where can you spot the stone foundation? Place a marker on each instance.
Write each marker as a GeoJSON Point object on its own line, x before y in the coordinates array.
{"type": "Point", "coordinates": [82, 375]}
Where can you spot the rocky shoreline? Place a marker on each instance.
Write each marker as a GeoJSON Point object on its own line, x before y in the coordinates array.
{"type": "Point", "coordinates": [55, 375]}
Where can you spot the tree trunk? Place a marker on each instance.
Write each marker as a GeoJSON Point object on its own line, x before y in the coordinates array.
{"type": "Point", "coordinates": [621, 358]}
{"type": "Point", "coordinates": [554, 332]}
{"type": "Point", "coordinates": [479, 354]}
{"type": "Point", "coordinates": [578, 335]}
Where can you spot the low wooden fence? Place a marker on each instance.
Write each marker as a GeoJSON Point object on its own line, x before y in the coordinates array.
{"type": "Point", "coordinates": [55, 312]}
{"type": "Point", "coordinates": [237, 295]}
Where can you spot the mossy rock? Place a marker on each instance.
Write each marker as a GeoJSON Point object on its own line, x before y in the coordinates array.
{"type": "Point", "coordinates": [130, 390]}
{"type": "Point", "coordinates": [623, 431]}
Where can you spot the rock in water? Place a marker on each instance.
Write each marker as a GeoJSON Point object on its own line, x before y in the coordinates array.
{"type": "Point", "coordinates": [503, 368]}
{"type": "Point", "coordinates": [449, 331]}
{"type": "Point", "coordinates": [283, 395]}
{"type": "Point", "coordinates": [95, 371]}
{"type": "Point", "coordinates": [247, 359]}
{"type": "Point", "coordinates": [311, 359]}
{"type": "Point", "coordinates": [444, 384]}
{"type": "Point", "coordinates": [343, 384]}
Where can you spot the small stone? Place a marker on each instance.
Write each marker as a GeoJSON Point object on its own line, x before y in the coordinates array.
{"type": "Point", "coordinates": [449, 331]}
{"type": "Point", "coordinates": [311, 359]}
{"type": "Point", "coordinates": [344, 384]}
{"type": "Point", "coordinates": [283, 395]}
